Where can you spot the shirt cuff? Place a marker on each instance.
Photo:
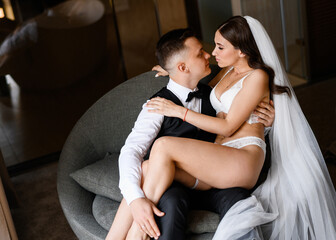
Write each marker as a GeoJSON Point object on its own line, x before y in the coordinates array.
{"type": "Point", "coordinates": [132, 193]}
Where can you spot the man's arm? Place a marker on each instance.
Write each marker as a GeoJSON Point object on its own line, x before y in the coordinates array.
{"type": "Point", "coordinates": [136, 146]}
{"type": "Point", "coordinates": [137, 143]}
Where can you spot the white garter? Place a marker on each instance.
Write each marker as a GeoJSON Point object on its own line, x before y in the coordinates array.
{"type": "Point", "coordinates": [245, 141]}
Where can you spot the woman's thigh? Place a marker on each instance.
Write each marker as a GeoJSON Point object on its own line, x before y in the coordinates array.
{"type": "Point", "coordinates": [216, 165]}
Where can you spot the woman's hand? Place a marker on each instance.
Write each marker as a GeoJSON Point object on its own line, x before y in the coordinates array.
{"type": "Point", "coordinates": [165, 107]}
{"type": "Point", "coordinates": [160, 70]}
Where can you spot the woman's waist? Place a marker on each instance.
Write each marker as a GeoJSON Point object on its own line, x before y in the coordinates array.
{"type": "Point", "coordinates": [243, 132]}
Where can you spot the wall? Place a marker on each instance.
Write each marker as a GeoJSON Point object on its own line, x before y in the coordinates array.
{"type": "Point", "coordinates": [212, 14]}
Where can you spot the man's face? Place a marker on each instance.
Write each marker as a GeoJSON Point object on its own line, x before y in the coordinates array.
{"type": "Point", "coordinates": [197, 60]}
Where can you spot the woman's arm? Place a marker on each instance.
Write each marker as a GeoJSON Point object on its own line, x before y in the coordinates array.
{"type": "Point", "coordinates": [160, 71]}
{"type": "Point", "coordinates": [255, 89]}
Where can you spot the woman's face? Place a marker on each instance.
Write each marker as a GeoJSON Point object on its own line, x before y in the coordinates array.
{"type": "Point", "coordinates": [224, 52]}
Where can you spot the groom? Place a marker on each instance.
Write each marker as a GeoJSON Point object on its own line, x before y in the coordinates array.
{"type": "Point", "coordinates": [182, 56]}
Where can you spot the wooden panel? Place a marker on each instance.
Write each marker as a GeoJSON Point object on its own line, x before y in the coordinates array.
{"type": "Point", "coordinates": [7, 229]}
{"type": "Point", "coordinates": [172, 15]}
{"type": "Point", "coordinates": [138, 34]}
{"type": "Point", "coordinates": [4, 234]}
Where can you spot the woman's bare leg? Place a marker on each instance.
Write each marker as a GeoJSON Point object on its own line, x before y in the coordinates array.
{"type": "Point", "coordinates": [121, 223]}
{"type": "Point", "coordinates": [123, 220]}
{"type": "Point", "coordinates": [203, 161]}
{"type": "Point", "coordinates": [188, 180]}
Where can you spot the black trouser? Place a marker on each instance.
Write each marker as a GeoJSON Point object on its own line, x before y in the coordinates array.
{"type": "Point", "coordinates": [178, 200]}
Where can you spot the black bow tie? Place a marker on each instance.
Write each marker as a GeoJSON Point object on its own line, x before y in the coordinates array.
{"type": "Point", "coordinates": [196, 94]}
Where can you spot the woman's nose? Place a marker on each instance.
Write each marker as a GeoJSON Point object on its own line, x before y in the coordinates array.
{"type": "Point", "coordinates": [214, 52]}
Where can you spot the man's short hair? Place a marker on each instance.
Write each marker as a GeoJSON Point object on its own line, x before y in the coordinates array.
{"type": "Point", "coordinates": [170, 44]}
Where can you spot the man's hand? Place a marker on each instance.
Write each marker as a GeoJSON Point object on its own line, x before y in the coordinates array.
{"type": "Point", "coordinates": [266, 113]}
{"type": "Point", "coordinates": [142, 210]}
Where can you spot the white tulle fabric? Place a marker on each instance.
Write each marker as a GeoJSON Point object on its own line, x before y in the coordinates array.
{"type": "Point", "coordinates": [298, 189]}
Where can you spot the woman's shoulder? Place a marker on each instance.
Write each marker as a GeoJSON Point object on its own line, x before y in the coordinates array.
{"type": "Point", "coordinates": [258, 79]}
{"type": "Point", "coordinates": [258, 75]}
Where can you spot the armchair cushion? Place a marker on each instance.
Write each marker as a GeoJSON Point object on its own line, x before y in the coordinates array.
{"type": "Point", "coordinates": [104, 211]}
{"type": "Point", "coordinates": [101, 177]}
{"type": "Point", "coordinates": [199, 221]}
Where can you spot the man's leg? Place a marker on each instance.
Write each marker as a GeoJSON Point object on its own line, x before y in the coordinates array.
{"type": "Point", "coordinates": [175, 204]}
{"type": "Point", "coordinates": [221, 200]}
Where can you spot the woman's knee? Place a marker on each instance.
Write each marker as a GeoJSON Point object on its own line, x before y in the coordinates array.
{"type": "Point", "coordinates": [161, 145]}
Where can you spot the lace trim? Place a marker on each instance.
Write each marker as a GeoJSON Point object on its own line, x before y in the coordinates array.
{"type": "Point", "coordinates": [245, 141]}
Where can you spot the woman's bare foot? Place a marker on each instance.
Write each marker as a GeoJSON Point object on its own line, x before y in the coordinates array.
{"type": "Point", "coordinates": [135, 233]}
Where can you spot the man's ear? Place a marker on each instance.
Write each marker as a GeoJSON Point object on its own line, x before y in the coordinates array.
{"type": "Point", "coordinates": [182, 67]}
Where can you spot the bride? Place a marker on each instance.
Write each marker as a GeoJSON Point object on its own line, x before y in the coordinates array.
{"type": "Point", "coordinates": [298, 191]}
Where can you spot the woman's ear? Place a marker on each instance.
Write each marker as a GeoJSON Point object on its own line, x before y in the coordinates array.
{"type": "Point", "coordinates": [241, 54]}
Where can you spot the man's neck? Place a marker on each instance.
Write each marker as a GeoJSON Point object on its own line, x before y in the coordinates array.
{"type": "Point", "coordinates": [185, 82]}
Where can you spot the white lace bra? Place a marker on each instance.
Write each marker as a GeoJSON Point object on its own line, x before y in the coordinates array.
{"type": "Point", "coordinates": [224, 103]}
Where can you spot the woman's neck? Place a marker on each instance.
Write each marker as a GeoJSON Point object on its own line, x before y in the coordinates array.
{"type": "Point", "coordinates": [241, 69]}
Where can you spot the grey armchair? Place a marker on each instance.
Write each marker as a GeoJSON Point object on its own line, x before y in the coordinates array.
{"type": "Point", "coordinates": [104, 128]}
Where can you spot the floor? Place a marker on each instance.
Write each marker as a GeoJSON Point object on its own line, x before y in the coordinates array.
{"type": "Point", "coordinates": [39, 215]}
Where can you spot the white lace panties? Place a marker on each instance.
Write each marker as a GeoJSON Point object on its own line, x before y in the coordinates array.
{"type": "Point", "coordinates": [245, 141]}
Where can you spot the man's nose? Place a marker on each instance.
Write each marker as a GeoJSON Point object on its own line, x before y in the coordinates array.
{"type": "Point", "coordinates": [207, 55]}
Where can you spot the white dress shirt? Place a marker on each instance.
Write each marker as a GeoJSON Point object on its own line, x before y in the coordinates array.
{"type": "Point", "coordinates": [145, 130]}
